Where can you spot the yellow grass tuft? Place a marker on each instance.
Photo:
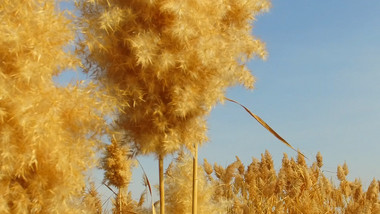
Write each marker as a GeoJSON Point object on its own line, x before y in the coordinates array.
{"type": "Point", "coordinates": [48, 134]}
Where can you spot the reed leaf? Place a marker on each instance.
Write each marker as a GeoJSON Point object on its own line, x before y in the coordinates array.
{"type": "Point", "coordinates": [265, 125]}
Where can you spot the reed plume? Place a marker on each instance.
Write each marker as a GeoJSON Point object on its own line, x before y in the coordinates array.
{"type": "Point", "coordinates": [179, 187]}
{"type": "Point", "coordinates": [294, 188]}
{"type": "Point", "coordinates": [48, 134]}
{"type": "Point", "coordinates": [168, 63]}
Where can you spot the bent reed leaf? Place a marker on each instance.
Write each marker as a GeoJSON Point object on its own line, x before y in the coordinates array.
{"type": "Point", "coordinates": [265, 125]}
{"type": "Point", "coordinates": [147, 182]}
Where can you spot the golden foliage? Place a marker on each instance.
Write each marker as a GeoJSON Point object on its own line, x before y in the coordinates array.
{"type": "Point", "coordinates": [123, 203]}
{"type": "Point", "coordinates": [92, 200]}
{"type": "Point", "coordinates": [47, 134]}
{"type": "Point", "coordinates": [117, 165]}
{"type": "Point", "coordinates": [259, 188]}
{"type": "Point", "coordinates": [178, 191]}
{"type": "Point", "coordinates": [169, 62]}
{"type": "Point", "coordinates": [295, 188]}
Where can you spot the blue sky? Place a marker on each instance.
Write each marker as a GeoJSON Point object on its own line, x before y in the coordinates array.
{"type": "Point", "coordinates": [319, 89]}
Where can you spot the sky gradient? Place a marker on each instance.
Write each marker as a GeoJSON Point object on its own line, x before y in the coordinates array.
{"type": "Point", "coordinates": [319, 89]}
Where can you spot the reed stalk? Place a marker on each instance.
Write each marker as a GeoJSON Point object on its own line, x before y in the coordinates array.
{"type": "Point", "coordinates": [161, 178]}
{"type": "Point", "coordinates": [195, 180]}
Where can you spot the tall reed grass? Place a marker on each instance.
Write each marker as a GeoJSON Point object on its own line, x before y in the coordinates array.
{"type": "Point", "coordinates": [48, 134]}
{"type": "Point", "coordinates": [258, 187]}
{"type": "Point", "coordinates": [168, 62]}
{"type": "Point", "coordinates": [161, 66]}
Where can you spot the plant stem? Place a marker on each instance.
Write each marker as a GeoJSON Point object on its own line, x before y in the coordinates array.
{"type": "Point", "coordinates": [161, 178]}
{"type": "Point", "coordinates": [195, 180]}
{"type": "Point", "coordinates": [120, 200]}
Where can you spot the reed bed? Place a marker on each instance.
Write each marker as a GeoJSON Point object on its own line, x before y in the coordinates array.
{"type": "Point", "coordinates": [160, 66]}
{"type": "Point", "coordinates": [258, 188]}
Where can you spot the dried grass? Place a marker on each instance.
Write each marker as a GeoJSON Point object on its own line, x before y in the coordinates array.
{"type": "Point", "coordinates": [48, 135]}
{"type": "Point", "coordinates": [163, 70]}
{"type": "Point", "coordinates": [295, 188]}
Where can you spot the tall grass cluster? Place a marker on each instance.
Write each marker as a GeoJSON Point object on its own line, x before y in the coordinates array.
{"type": "Point", "coordinates": [294, 188]}
{"type": "Point", "coordinates": [168, 63]}
{"type": "Point", "coordinates": [48, 134]}
{"type": "Point", "coordinates": [260, 187]}
{"type": "Point", "coordinates": [159, 67]}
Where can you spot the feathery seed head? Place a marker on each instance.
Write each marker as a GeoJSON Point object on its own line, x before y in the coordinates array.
{"type": "Point", "coordinates": [319, 160]}
{"type": "Point", "coordinates": [207, 167]}
{"type": "Point", "coordinates": [117, 164]}
{"type": "Point", "coordinates": [48, 134]}
{"type": "Point", "coordinates": [340, 173]}
{"type": "Point", "coordinates": [170, 64]}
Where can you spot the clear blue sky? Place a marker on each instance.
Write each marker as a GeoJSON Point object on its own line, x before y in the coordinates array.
{"type": "Point", "coordinates": [319, 89]}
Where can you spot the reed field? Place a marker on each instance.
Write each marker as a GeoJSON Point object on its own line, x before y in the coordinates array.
{"type": "Point", "coordinates": [155, 68]}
